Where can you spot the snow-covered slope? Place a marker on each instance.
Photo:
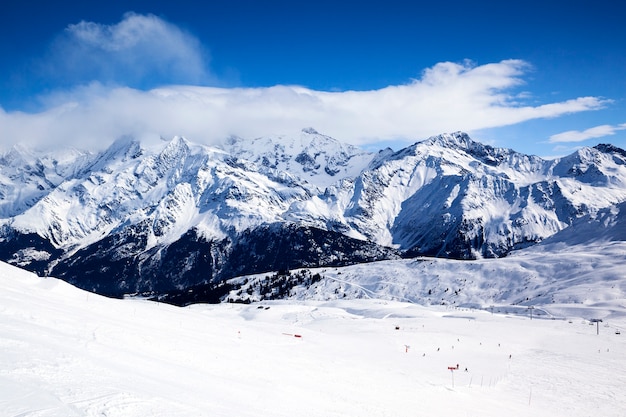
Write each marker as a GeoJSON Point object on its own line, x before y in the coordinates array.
{"type": "Point", "coordinates": [169, 189]}
{"type": "Point", "coordinates": [450, 196]}
{"type": "Point", "coordinates": [171, 214]}
{"type": "Point", "coordinates": [312, 157]}
{"type": "Point", "coordinates": [26, 177]}
{"type": "Point", "coordinates": [580, 267]}
{"type": "Point", "coordinates": [65, 352]}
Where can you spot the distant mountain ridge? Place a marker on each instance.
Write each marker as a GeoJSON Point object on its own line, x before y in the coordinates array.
{"type": "Point", "coordinates": [172, 215]}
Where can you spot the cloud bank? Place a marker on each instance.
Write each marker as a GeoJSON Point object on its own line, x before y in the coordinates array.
{"type": "Point", "coordinates": [109, 77]}
{"type": "Point", "coordinates": [591, 133]}
{"type": "Point", "coordinates": [448, 97]}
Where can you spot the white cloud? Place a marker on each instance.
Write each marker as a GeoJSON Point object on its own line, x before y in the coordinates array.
{"type": "Point", "coordinates": [140, 50]}
{"type": "Point", "coordinates": [591, 133]}
{"type": "Point", "coordinates": [447, 97]}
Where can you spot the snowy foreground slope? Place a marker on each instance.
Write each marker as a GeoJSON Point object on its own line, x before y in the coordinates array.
{"type": "Point", "coordinates": [66, 352]}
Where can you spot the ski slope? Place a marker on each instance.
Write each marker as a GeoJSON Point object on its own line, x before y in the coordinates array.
{"type": "Point", "coordinates": [66, 352]}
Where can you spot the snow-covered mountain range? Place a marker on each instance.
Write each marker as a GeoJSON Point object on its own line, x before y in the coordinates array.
{"type": "Point", "coordinates": [173, 214]}
{"type": "Point", "coordinates": [581, 267]}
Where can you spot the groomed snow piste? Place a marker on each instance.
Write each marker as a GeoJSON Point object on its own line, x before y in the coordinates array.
{"type": "Point", "coordinates": [66, 352]}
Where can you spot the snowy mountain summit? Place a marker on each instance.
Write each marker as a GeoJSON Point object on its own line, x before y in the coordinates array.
{"type": "Point", "coordinates": [155, 217]}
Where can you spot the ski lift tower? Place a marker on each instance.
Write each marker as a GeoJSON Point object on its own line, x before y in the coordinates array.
{"type": "Point", "coordinates": [597, 322]}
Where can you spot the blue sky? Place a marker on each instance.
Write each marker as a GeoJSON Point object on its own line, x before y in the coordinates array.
{"type": "Point", "coordinates": [541, 77]}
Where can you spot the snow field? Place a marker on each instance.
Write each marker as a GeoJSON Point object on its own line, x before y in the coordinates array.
{"type": "Point", "coordinates": [65, 352]}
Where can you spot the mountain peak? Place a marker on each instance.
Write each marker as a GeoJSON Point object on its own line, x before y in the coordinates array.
{"type": "Point", "coordinates": [310, 131]}
{"type": "Point", "coordinates": [608, 148]}
{"type": "Point", "coordinates": [486, 154]}
{"type": "Point", "coordinates": [177, 148]}
{"type": "Point", "coordinates": [453, 140]}
{"type": "Point", "coordinates": [315, 158]}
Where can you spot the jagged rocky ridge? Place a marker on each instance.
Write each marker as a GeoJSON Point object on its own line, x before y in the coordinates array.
{"type": "Point", "coordinates": [174, 215]}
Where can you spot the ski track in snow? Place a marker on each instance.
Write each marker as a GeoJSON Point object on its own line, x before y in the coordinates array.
{"type": "Point", "coordinates": [65, 352]}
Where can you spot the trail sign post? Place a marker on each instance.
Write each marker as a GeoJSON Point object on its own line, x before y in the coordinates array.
{"type": "Point", "coordinates": [452, 369]}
